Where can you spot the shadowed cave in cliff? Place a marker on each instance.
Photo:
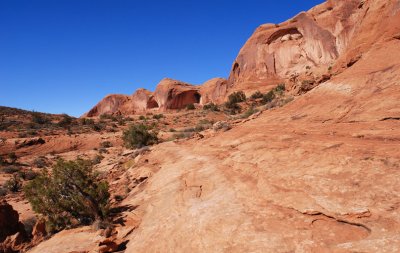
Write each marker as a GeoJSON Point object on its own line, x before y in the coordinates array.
{"type": "Point", "coordinates": [290, 33]}
{"type": "Point", "coordinates": [185, 98]}
{"type": "Point", "coordinates": [152, 103]}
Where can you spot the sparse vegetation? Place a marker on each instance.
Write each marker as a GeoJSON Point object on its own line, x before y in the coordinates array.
{"type": "Point", "coordinates": [71, 195]}
{"type": "Point", "coordinates": [12, 157]}
{"type": "Point", "coordinates": [142, 117]}
{"type": "Point", "coordinates": [66, 121]}
{"type": "Point", "coordinates": [249, 112]}
{"type": "Point", "coordinates": [268, 97]}
{"type": "Point", "coordinates": [138, 136]}
{"type": "Point", "coordinates": [9, 170]}
{"type": "Point", "coordinates": [211, 107]}
{"type": "Point", "coordinates": [256, 95]}
{"type": "Point", "coordinates": [190, 107]}
{"type": "Point", "coordinates": [14, 184]}
{"type": "Point", "coordinates": [237, 97]}
{"type": "Point", "coordinates": [40, 162]}
{"type": "Point", "coordinates": [106, 144]}
{"type": "Point", "coordinates": [38, 118]}
{"type": "Point", "coordinates": [158, 116]}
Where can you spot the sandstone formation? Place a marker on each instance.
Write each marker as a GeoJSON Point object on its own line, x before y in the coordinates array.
{"type": "Point", "coordinates": [310, 42]}
{"type": "Point", "coordinates": [320, 174]}
{"type": "Point", "coordinates": [214, 91]}
{"type": "Point", "coordinates": [12, 231]}
{"type": "Point", "coordinates": [112, 104]}
{"type": "Point", "coordinates": [173, 94]}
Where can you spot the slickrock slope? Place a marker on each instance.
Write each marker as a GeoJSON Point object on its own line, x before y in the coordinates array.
{"type": "Point", "coordinates": [321, 174]}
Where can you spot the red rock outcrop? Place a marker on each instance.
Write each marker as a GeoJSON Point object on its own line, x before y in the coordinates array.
{"type": "Point", "coordinates": [12, 231]}
{"type": "Point", "coordinates": [173, 94]}
{"type": "Point", "coordinates": [311, 42]}
{"type": "Point", "coordinates": [112, 104]}
{"type": "Point", "coordinates": [214, 91]}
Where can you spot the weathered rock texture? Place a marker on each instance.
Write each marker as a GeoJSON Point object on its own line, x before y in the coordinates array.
{"type": "Point", "coordinates": [12, 231]}
{"type": "Point", "coordinates": [310, 42]}
{"type": "Point", "coordinates": [173, 94]}
{"type": "Point", "coordinates": [214, 91]}
{"type": "Point", "coordinates": [320, 174]}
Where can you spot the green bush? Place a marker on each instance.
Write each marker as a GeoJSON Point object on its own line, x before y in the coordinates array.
{"type": "Point", "coordinates": [158, 116]}
{"type": "Point", "coordinates": [106, 144]}
{"type": "Point", "coordinates": [14, 184]}
{"type": "Point", "coordinates": [237, 97]}
{"type": "Point", "coordinates": [9, 170]}
{"type": "Point", "coordinates": [190, 107]}
{"type": "Point", "coordinates": [232, 108]}
{"type": "Point", "coordinates": [249, 112]}
{"type": "Point", "coordinates": [137, 136]}
{"type": "Point", "coordinates": [211, 107]}
{"type": "Point", "coordinates": [66, 121]}
{"type": "Point", "coordinates": [256, 95]}
{"type": "Point", "coordinates": [12, 157]}
{"type": "Point", "coordinates": [280, 89]}
{"type": "Point", "coordinates": [267, 98]}
{"type": "Point", "coordinates": [71, 194]}
{"type": "Point", "coordinates": [141, 117]}
{"type": "Point", "coordinates": [40, 162]}
{"type": "Point", "coordinates": [38, 118]}
{"type": "Point", "coordinates": [86, 121]}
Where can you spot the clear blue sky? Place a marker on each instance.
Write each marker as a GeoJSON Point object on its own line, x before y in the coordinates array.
{"type": "Point", "coordinates": [63, 56]}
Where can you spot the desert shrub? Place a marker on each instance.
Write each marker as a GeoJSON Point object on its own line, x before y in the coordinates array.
{"type": "Point", "coordinates": [98, 126]}
{"type": "Point", "coordinates": [280, 88]}
{"type": "Point", "coordinates": [65, 121]}
{"type": "Point", "coordinates": [14, 184]}
{"type": "Point", "coordinates": [106, 144]}
{"type": "Point", "coordinates": [137, 136]}
{"type": "Point", "coordinates": [40, 162]}
{"type": "Point", "coordinates": [268, 97]}
{"type": "Point", "coordinates": [29, 175]}
{"type": "Point", "coordinates": [142, 117]}
{"type": "Point", "coordinates": [172, 130]}
{"type": "Point", "coordinates": [3, 191]}
{"type": "Point", "coordinates": [38, 118]}
{"type": "Point", "coordinates": [237, 97]}
{"type": "Point", "coordinates": [12, 157]}
{"type": "Point", "coordinates": [158, 116]}
{"type": "Point", "coordinates": [97, 159]}
{"type": "Point", "coordinates": [249, 112]}
{"type": "Point", "coordinates": [256, 95]}
{"type": "Point", "coordinates": [211, 107]}
{"type": "Point", "coordinates": [86, 121]}
{"type": "Point", "coordinates": [72, 194]}
{"type": "Point", "coordinates": [9, 170]}
{"type": "Point", "coordinates": [232, 108]}
{"type": "Point", "coordinates": [190, 107]}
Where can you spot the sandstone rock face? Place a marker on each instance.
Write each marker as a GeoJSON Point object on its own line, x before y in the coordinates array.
{"type": "Point", "coordinates": [311, 41]}
{"type": "Point", "coordinates": [320, 174]}
{"type": "Point", "coordinates": [142, 100]}
{"type": "Point", "coordinates": [213, 91]}
{"type": "Point", "coordinates": [112, 104]}
{"type": "Point", "coordinates": [9, 221]}
{"type": "Point", "coordinates": [173, 94]}
{"type": "Point", "coordinates": [12, 231]}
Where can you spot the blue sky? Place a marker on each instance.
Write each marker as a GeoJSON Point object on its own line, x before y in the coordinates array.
{"type": "Point", "coordinates": [63, 56]}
